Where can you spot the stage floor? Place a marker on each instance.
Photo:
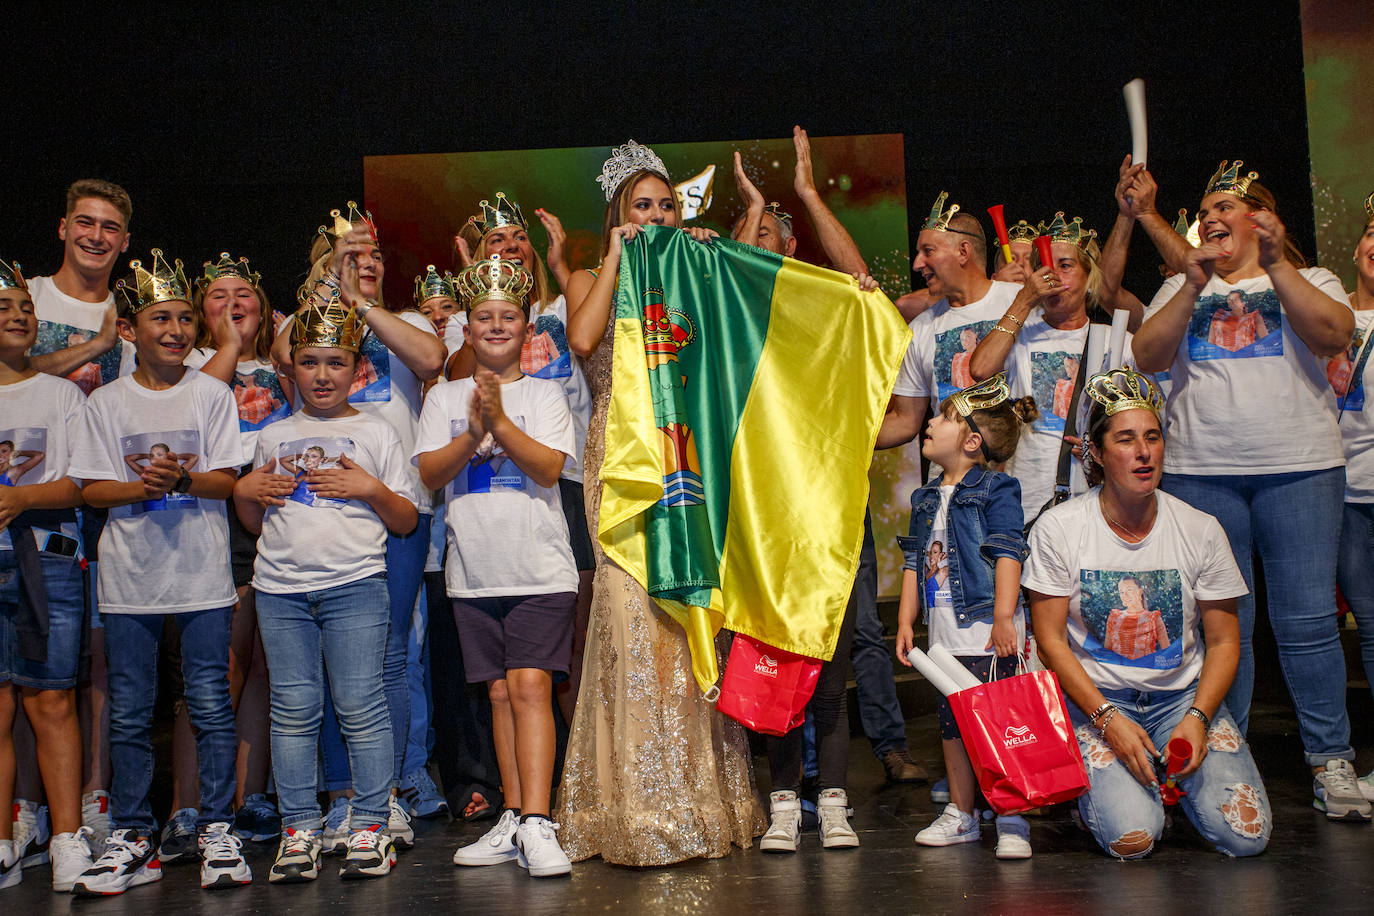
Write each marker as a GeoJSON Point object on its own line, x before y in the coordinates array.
{"type": "Point", "coordinates": [1311, 866]}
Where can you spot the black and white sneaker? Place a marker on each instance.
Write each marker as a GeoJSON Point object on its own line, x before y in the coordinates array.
{"type": "Point", "coordinates": [32, 832]}
{"type": "Point", "coordinates": [127, 861]}
{"type": "Point", "coordinates": [221, 858]}
{"type": "Point", "coordinates": [298, 857]}
{"type": "Point", "coordinates": [11, 872]}
{"type": "Point", "coordinates": [371, 854]}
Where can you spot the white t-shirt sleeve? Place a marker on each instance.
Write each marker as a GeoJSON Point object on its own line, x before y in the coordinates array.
{"type": "Point", "coordinates": [443, 404]}
{"type": "Point", "coordinates": [1167, 290]}
{"type": "Point", "coordinates": [1219, 578]}
{"type": "Point", "coordinates": [223, 446]}
{"type": "Point", "coordinates": [392, 469]}
{"type": "Point", "coordinates": [92, 458]}
{"type": "Point", "coordinates": [914, 376]}
{"type": "Point", "coordinates": [552, 425]}
{"type": "Point", "coordinates": [1046, 570]}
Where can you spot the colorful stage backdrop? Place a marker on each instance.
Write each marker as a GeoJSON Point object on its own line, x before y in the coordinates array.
{"type": "Point", "coordinates": [862, 178]}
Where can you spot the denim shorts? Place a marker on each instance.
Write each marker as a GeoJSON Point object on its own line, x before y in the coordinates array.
{"type": "Point", "coordinates": [65, 583]}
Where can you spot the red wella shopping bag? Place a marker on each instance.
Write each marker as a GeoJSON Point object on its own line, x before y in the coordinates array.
{"type": "Point", "coordinates": [765, 688]}
{"type": "Point", "coordinates": [1021, 742]}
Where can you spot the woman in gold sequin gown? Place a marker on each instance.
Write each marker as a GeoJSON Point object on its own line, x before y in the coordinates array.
{"type": "Point", "coordinates": [653, 774]}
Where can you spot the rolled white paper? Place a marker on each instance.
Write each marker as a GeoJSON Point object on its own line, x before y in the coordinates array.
{"type": "Point", "coordinates": [950, 665]}
{"type": "Point", "coordinates": [932, 672]}
{"type": "Point", "coordinates": [1134, 91]}
{"type": "Point", "coordinates": [1116, 351]}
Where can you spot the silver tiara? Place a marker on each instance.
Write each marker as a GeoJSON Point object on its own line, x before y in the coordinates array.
{"type": "Point", "coordinates": [624, 162]}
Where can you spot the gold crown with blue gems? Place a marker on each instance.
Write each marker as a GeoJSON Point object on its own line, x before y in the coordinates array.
{"type": "Point", "coordinates": [1072, 231]}
{"type": "Point", "coordinates": [985, 395]}
{"type": "Point", "coordinates": [164, 283]}
{"type": "Point", "coordinates": [227, 267]}
{"type": "Point", "coordinates": [1229, 180]}
{"type": "Point", "coordinates": [340, 225]}
{"type": "Point", "coordinates": [1125, 389]}
{"type": "Point", "coordinates": [432, 286]}
{"type": "Point", "coordinates": [493, 278]}
{"type": "Point", "coordinates": [328, 325]}
{"type": "Point", "coordinates": [505, 213]}
{"type": "Point", "coordinates": [11, 277]}
{"type": "Point", "coordinates": [939, 217]}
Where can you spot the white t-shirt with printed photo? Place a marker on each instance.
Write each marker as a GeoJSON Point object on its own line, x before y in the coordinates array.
{"type": "Point", "coordinates": [943, 339]}
{"type": "Point", "coordinates": [311, 542]}
{"type": "Point", "coordinates": [64, 321]}
{"type": "Point", "coordinates": [1133, 618]}
{"type": "Point", "coordinates": [1247, 395]}
{"type": "Point", "coordinates": [1356, 419]}
{"type": "Point", "coordinates": [546, 354]}
{"type": "Point", "coordinates": [166, 555]}
{"type": "Point", "coordinates": [41, 418]}
{"type": "Point", "coordinates": [507, 534]}
{"type": "Point", "coordinates": [257, 392]}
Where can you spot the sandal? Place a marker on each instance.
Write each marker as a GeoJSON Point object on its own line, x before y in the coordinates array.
{"type": "Point", "coordinates": [483, 804]}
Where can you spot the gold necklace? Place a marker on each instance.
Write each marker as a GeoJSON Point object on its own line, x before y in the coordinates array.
{"type": "Point", "coordinates": [1135, 538]}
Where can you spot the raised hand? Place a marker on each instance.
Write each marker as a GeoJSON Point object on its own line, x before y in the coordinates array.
{"type": "Point", "coordinates": [1202, 261]}
{"type": "Point", "coordinates": [804, 181]}
{"type": "Point", "coordinates": [1270, 232]}
{"type": "Point", "coordinates": [748, 192]}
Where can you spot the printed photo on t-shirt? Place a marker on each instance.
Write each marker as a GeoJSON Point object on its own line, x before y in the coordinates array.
{"type": "Point", "coordinates": [490, 469]}
{"type": "Point", "coordinates": [260, 399]}
{"type": "Point", "coordinates": [54, 336]}
{"type": "Point", "coordinates": [1236, 325]}
{"type": "Point", "coordinates": [1340, 372]}
{"type": "Point", "coordinates": [372, 377]}
{"type": "Point", "coordinates": [935, 577]}
{"type": "Point", "coordinates": [141, 450]}
{"type": "Point", "coordinates": [953, 352]}
{"type": "Point", "coordinates": [22, 453]}
{"type": "Point", "coordinates": [1133, 618]}
{"type": "Point", "coordinates": [545, 353]}
{"type": "Point", "coordinates": [1053, 375]}
{"type": "Point", "coordinates": [318, 453]}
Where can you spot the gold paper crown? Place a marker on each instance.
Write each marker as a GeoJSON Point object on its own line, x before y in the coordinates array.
{"type": "Point", "coordinates": [985, 395]}
{"type": "Point", "coordinates": [1369, 206]}
{"type": "Point", "coordinates": [1125, 389]}
{"type": "Point", "coordinates": [340, 225]}
{"type": "Point", "coordinates": [1230, 181]}
{"type": "Point", "coordinates": [164, 283]}
{"type": "Point", "coordinates": [11, 277]}
{"type": "Point", "coordinates": [505, 213]}
{"type": "Point", "coordinates": [329, 325]}
{"type": "Point", "coordinates": [939, 217]}
{"type": "Point", "coordinates": [227, 267]}
{"type": "Point", "coordinates": [775, 210]}
{"type": "Point", "coordinates": [1024, 232]}
{"type": "Point", "coordinates": [1060, 231]}
{"type": "Point", "coordinates": [432, 286]}
{"type": "Point", "coordinates": [624, 162]}
{"type": "Point", "coordinates": [493, 278]}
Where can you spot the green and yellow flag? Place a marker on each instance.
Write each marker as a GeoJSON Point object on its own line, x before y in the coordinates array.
{"type": "Point", "coordinates": [746, 398]}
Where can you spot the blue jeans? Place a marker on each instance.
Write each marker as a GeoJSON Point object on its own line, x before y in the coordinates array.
{"type": "Point", "coordinates": [418, 733]}
{"type": "Point", "coordinates": [341, 630]}
{"type": "Point", "coordinates": [1355, 576]}
{"type": "Point", "coordinates": [1294, 522]}
{"type": "Point", "coordinates": [879, 710]}
{"type": "Point", "coordinates": [65, 589]}
{"type": "Point", "coordinates": [405, 570]}
{"type": "Point", "coordinates": [1224, 798]}
{"type": "Point", "coordinates": [131, 650]}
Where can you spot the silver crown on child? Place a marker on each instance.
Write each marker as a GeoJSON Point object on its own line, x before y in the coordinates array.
{"type": "Point", "coordinates": [624, 162]}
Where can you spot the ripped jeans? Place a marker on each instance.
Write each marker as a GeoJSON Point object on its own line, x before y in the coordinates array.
{"type": "Point", "coordinates": [1225, 797]}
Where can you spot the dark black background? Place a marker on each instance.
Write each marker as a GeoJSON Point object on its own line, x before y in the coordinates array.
{"type": "Point", "coordinates": [238, 126]}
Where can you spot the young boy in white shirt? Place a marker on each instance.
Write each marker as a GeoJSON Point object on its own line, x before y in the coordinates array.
{"type": "Point", "coordinates": [496, 444]}
{"type": "Point", "coordinates": [164, 550]}
{"type": "Point", "coordinates": [42, 598]}
{"type": "Point", "coordinates": [320, 577]}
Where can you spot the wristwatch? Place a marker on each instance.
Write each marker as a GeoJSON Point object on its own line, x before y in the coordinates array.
{"type": "Point", "coordinates": [364, 307]}
{"type": "Point", "coordinates": [183, 483]}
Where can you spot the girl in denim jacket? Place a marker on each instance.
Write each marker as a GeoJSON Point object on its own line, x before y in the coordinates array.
{"type": "Point", "coordinates": [963, 566]}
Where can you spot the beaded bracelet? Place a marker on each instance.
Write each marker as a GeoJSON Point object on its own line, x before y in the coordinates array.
{"type": "Point", "coordinates": [1106, 719]}
{"type": "Point", "coordinates": [998, 327]}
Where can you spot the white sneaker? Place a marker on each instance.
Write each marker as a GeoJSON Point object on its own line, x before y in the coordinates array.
{"type": "Point", "coordinates": [398, 825]}
{"type": "Point", "coordinates": [784, 825]}
{"type": "Point", "coordinates": [11, 872]}
{"type": "Point", "coordinates": [951, 827]}
{"type": "Point", "coordinates": [497, 845]}
{"type": "Point", "coordinates": [95, 814]}
{"type": "Point", "coordinates": [1338, 793]}
{"type": "Point", "coordinates": [334, 837]}
{"type": "Point", "coordinates": [298, 857]}
{"type": "Point", "coordinates": [539, 853]}
{"type": "Point", "coordinates": [221, 858]}
{"type": "Point", "coordinates": [32, 832]}
{"type": "Point", "coordinates": [1013, 837]}
{"type": "Point", "coordinates": [1367, 786]}
{"type": "Point", "coordinates": [371, 854]}
{"type": "Point", "coordinates": [832, 808]}
{"type": "Point", "coordinates": [126, 862]}
{"type": "Point", "coordinates": [71, 856]}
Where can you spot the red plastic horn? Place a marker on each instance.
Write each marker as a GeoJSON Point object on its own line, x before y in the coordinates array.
{"type": "Point", "coordinates": [999, 223]}
{"type": "Point", "coordinates": [1178, 752]}
{"type": "Point", "coordinates": [1042, 246]}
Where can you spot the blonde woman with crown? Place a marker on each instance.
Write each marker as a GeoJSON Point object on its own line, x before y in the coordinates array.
{"type": "Point", "coordinates": [1253, 441]}
{"type": "Point", "coordinates": [653, 774]}
{"type": "Point", "coordinates": [1124, 537]}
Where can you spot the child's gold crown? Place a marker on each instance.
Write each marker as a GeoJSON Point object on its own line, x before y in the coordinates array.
{"type": "Point", "coordinates": [505, 213]}
{"type": "Point", "coordinates": [1125, 389]}
{"type": "Point", "coordinates": [164, 283]}
{"type": "Point", "coordinates": [985, 395]}
{"type": "Point", "coordinates": [1230, 181]}
{"type": "Point", "coordinates": [341, 225]}
{"type": "Point", "coordinates": [493, 278]}
{"type": "Point", "coordinates": [330, 325]}
{"type": "Point", "coordinates": [11, 277]}
{"type": "Point", "coordinates": [227, 267]}
{"type": "Point", "coordinates": [939, 217]}
{"type": "Point", "coordinates": [1073, 231]}
{"type": "Point", "coordinates": [432, 286]}
{"type": "Point", "coordinates": [1024, 232]}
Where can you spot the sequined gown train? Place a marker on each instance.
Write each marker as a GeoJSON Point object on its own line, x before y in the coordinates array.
{"type": "Point", "coordinates": [653, 774]}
